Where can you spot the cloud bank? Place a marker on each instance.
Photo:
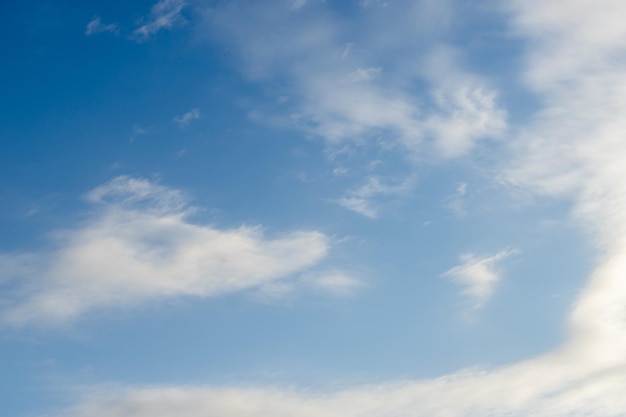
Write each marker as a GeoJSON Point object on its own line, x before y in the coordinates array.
{"type": "Point", "coordinates": [139, 245]}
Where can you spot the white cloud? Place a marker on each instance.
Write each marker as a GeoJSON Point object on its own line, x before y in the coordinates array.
{"type": "Point", "coordinates": [478, 275]}
{"type": "Point", "coordinates": [187, 118]}
{"type": "Point", "coordinates": [96, 26]}
{"type": "Point", "coordinates": [356, 86]}
{"type": "Point", "coordinates": [365, 199]}
{"type": "Point", "coordinates": [165, 14]}
{"type": "Point", "coordinates": [138, 245]}
{"type": "Point", "coordinates": [574, 146]}
{"type": "Point", "coordinates": [549, 386]}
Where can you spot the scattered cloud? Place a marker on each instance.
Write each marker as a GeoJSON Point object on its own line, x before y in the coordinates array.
{"type": "Point", "coordinates": [137, 131]}
{"type": "Point", "coordinates": [96, 26]}
{"type": "Point", "coordinates": [365, 199]}
{"type": "Point", "coordinates": [166, 14]}
{"type": "Point", "coordinates": [139, 245]}
{"type": "Point", "coordinates": [478, 275]}
{"type": "Point", "coordinates": [340, 171]}
{"type": "Point", "coordinates": [185, 119]}
{"type": "Point", "coordinates": [357, 90]}
{"type": "Point", "coordinates": [456, 203]}
{"type": "Point", "coordinates": [334, 282]}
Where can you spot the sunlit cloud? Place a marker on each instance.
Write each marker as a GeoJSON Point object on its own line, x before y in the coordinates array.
{"type": "Point", "coordinates": [138, 245]}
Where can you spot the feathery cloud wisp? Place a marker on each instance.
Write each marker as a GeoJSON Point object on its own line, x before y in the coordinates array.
{"type": "Point", "coordinates": [363, 200]}
{"type": "Point", "coordinates": [187, 118]}
{"type": "Point", "coordinates": [165, 14]}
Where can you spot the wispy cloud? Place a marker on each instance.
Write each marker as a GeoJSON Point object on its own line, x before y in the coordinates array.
{"type": "Point", "coordinates": [355, 86]}
{"type": "Point", "coordinates": [573, 148]}
{"type": "Point", "coordinates": [166, 14]}
{"type": "Point", "coordinates": [365, 200]}
{"type": "Point", "coordinates": [549, 386]}
{"type": "Point", "coordinates": [136, 131]}
{"type": "Point", "coordinates": [138, 245]}
{"type": "Point", "coordinates": [96, 26]}
{"type": "Point", "coordinates": [456, 203]}
{"type": "Point", "coordinates": [478, 275]}
{"type": "Point", "coordinates": [188, 117]}
{"type": "Point", "coordinates": [334, 282]}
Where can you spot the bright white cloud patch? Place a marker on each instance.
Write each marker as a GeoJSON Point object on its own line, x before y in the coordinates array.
{"type": "Point", "coordinates": [166, 14]}
{"type": "Point", "coordinates": [139, 245]}
{"type": "Point", "coordinates": [478, 275]}
{"type": "Point", "coordinates": [96, 26]}
{"type": "Point", "coordinates": [187, 118]}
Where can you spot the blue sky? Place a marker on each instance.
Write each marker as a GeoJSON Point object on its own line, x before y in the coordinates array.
{"type": "Point", "coordinates": [308, 208]}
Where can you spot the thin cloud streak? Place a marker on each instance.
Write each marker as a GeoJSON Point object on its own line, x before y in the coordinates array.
{"type": "Point", "coordinates": [166, 14]}
{"type": "Point", "coordinates": [187, 118]}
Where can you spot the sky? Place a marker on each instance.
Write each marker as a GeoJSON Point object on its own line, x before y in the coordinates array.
{"type": "Point", "coordinates": [307, 208]}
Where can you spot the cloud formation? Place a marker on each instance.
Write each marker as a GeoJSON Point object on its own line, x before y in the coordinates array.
{"type": "Point", "coordinates": [352, 82]}
{"type": "Point", "coordinates": [139, 245]}
{"type": "Point", "coordinates": [550, 386]}
{"type": "Point", "coordinates": [478, 275]}
{"type": "Point", "coordinates": [166, 14]}
{"type": "Point", "coordinates": [573, 148]}
{"type": "Point", "coordinates": [364, 200]}
{"type": "Point", "coordinates": [96, 26]}
{"type": "Point", "coordinates": [185, 119]}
